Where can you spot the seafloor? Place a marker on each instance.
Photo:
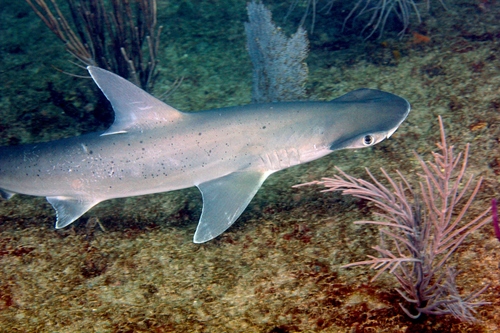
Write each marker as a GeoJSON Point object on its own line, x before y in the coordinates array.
{"type": "Point", "coordinates": [130, 265]}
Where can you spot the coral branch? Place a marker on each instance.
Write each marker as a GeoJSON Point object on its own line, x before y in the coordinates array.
{"type": "Point", "coordinates": [424, 228]}
{"type": "Point", "coordinates": [116, 35]}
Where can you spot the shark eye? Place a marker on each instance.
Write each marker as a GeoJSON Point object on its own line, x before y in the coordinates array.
{"type": "Point", "coordinates": [368, 140]}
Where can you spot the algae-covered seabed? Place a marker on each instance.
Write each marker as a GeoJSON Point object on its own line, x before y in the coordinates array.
{"type": "Point", "coordinates": [278, 268]}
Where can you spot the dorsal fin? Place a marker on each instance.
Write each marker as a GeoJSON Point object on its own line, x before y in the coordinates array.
{"type": "Point", "coordinates": [135, 109]}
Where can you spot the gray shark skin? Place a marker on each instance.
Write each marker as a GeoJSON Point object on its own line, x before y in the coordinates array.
{"type": "Point", "coordinates": [227, 153]}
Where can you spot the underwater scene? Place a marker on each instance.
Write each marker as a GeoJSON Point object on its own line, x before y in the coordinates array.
{"type": "Point", "coordinates": [247, 222]}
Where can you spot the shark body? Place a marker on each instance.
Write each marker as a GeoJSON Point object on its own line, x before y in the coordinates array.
{"type": "Point", "coordinates": [227, 153]}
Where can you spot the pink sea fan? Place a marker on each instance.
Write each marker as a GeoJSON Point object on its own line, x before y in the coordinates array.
{"type": "Point", "coordinates": [421, 228]}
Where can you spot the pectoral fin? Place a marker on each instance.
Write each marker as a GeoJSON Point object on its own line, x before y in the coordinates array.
{"type": "Point", "coordinates": [6, 194]}
{"type": "Point", "coordinates": [69, 209]}
{"type": "Point", "coordinates": [224, 199]}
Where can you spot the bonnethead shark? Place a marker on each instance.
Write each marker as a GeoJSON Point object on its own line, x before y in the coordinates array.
{"type": "Point", "coordinates": [227, 153]}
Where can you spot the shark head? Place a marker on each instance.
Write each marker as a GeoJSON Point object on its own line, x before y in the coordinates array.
{"type": "Point", "coordinates": [365, 117]}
